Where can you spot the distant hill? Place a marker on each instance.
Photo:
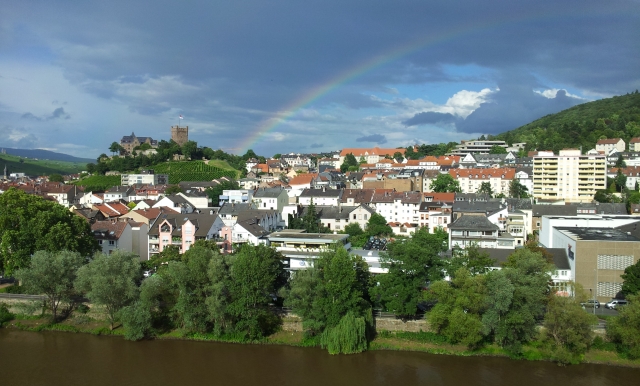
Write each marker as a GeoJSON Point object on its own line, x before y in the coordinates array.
{"type": "Point", "coordinates": [46, 154]}
{"type": "Point", "coordinates": [38, 167]}
{"type": "Point", "coordinates": [582, 125]}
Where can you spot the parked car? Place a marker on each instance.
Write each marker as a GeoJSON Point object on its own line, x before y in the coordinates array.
{"type": "Point", "coordinates": [615, 303]}
{"type": "Point", "coordinates": [591, 304]}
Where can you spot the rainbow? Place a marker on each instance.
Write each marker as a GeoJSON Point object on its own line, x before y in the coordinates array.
{"type": "Point", "coordinates": [344, 77]}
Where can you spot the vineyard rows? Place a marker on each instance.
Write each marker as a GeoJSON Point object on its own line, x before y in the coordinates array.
{"type": "Point", "coordinates": [192, 171]}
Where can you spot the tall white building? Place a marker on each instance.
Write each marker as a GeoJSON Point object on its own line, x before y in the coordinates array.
{"type": "Point", "coordinates": [569, 175]}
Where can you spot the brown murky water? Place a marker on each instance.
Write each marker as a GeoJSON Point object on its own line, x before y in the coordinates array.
{"type": "Point", "coordinates": [50, 358]}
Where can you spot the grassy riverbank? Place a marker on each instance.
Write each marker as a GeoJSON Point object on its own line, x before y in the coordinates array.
{"type": "Point", "coordinates": [601, 353]}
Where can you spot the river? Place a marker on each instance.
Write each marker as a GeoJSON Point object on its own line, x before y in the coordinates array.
{"type": "Point", "coordinates": [56, 358]}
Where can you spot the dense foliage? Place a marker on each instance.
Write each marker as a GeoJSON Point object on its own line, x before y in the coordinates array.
{"type": "Point", "coordinates": [582, 125]}
{"type": "Point", "coordinates": [412, 265]}
{"type": "Point", "coordinates": [29, 223]}
{"type": "Point", "coordinates": [332, 298]}
{"type": "Point", "coordinates": [52, 274]}
{"type": "Point", "coordinates": [445, 183]}
{"type": "Point", "coordinates": [110, 281]}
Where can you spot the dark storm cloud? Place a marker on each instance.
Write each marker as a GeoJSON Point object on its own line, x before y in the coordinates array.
{"type": "Point", "coordinates": [429, 117]}
{"type": "Point", "coordinates": [514, 105]}
{"type": "Point", "coordinates": [57, 113]}
{"type": "Point", "coordinates": [235, 64]}
{"type": "Point", "coordinates": [375, 138]}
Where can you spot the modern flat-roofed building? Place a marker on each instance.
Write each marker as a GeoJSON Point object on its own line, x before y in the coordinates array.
{"type": "Point", "coordinates": [144, 178]}
{"type": "Point", "coordinates": [569, 175]}
{"type": "Point", "coordinates": [300, 249]}
{"type": "Point", "coordinates": [476, 147]}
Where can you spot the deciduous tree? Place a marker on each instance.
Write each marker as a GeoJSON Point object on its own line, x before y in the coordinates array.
{"type": "Point", "coordinates": [29, 223]}
{"type": "Point", "coordinates": [412, 264]}
{"type": "Point", "coordinates": [51, 274]}
{"type": "Point", "coordinates": [444, 183]}
{"type": "Point", "coordinates": [110, 281]}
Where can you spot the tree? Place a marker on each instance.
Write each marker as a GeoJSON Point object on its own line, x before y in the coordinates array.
{"type": "Point", "coordinates": [377, 226]}
{"type": "Point", "coordinates": [631, 279]}
{"type": "Point", "coordinates": [333, 301]}
{"type": "Point", "coordinates": [458, 311]}
{"type": "Point", "coordinates": [349, 162]}
{"type": "Point", "coordinates": [138, 319]}
{"type": "Point", "coordinates": [517, 190]}
{"type": "Point", "coordinates": [29, 223]}
{"type": "Point", "coordinates": [620, 162]}
{"type": "Point", "coordinates": [353, 229]}
{"type": "Point", "coordinates": [625, 329]}
{"type": "Point", "coordinates": [497, 149]}
{"type": "Point", "coordinates": [257, 274]}
{"type": "Point", "coordinates": [215, 191]}
{"type": "Point", "coordinates": [445, 183]}
{"type": "Point", "coordinates": [569, 327]}
{"type": "Point", "coordinates": [188, 281]}
{"type": "Point", "coordinates": [173, 189]}
{"type": "Point", "coordinates": [115, 147]}
{"type": "Point", "coordinates": [485, 188]}
{"type": "Point", "coordinates": [189, 149]}
{"type": "Point", "coordinates": [516, 299]}
{"type": "Point", "coordinates": [412, 265]}
{"type": "Point", "coordinates": [110, 281]}
{"type": "Point", "coordinates": [51, 274]}
{"type": "Point", "coordinates": [277, 156]}
{"type": "Point", "coordinates": [620, 181]}
{"type": "Point", "coordinates": [249, 154]}
{"type": "Point", "coordinates": [475, 262]}
{"type": "Point", "coordinates": [55, 177]}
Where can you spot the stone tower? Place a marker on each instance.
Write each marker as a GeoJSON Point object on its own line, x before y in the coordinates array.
{"type": "Point", "coordinates": [180, 135]}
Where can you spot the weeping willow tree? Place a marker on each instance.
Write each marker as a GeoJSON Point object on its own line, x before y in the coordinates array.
{"type": "Point", "coordinates": [350, 336]}
{"type": "Point", "coordinates": [332, 298]}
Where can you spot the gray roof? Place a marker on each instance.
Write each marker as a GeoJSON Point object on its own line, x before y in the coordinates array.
{"type": "Point", "coordinates": [599, 234]}
{"type": "Point", "coordinates": [519, 203]}
{"type": "Point", "coordinates": [473, 222]}
{"type": "Point", "coordinates": [477, 206]}
{"type": "Point", "coordinates": [252, 226]}
{"type": "Point", "coordinates": [321, 193]}
{"type": "Point", "coordinates": [268, 192]}
{"type": "Point", "coordinates": [234, 208]}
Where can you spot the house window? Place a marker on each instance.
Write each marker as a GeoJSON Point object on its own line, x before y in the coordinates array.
{"type": "Point", "coordinates": [100, 242]}
{"type": "Point", "coordinates": [354, 216]}
{"type": "Point", "coordinates": [365, 216]}
{"type": "Point", "coordinates": [112, 242]}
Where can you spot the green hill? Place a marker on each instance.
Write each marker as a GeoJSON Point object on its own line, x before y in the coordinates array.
{"type": "Point", "coordinates": [98, 182]}
{"type": "Point", "coordinates": [33, 167]}
{"type": "Point", "coordinates": [582, 125]}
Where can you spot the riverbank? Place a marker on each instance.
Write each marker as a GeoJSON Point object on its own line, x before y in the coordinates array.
{"type": "Point", "coordinates": [385, 341]}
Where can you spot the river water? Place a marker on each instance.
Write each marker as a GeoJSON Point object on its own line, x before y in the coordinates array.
{"type": "Point", "coordinates": [55, 358]}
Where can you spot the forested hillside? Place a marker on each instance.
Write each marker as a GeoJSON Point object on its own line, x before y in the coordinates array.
{"type": "Point", "coordinates": [582, 125]}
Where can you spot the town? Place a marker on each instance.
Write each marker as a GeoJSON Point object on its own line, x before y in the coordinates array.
{"type": "Point", "coordinates": [483, 197]}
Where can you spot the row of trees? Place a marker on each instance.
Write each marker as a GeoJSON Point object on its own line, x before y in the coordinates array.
{"type": "Point", "coordinates": [201, 291]}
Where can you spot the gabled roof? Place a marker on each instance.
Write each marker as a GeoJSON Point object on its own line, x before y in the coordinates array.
{"type": "Point", "coordinates": [234, 208]}
{"type": "Point", "coordinates": [303, 179]}
{"type": "Point", "coordinates": [268, 192]}
{"type": "Point", "coordinates": [358, 195]}
{"type": "Point", "coordinates": [108, 229]}
{"type": "Point", "coordinates": [252, 226]}
{"type": "Point", "coordinates": [473, 223]}
{"type": "Point", "coordinates": [321, 193]}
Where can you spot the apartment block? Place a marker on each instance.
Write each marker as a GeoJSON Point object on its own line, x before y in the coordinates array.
{"type": "Point", "coordinates": [570, 175]}
{"type": "Point", "coordinates": [476, 147]}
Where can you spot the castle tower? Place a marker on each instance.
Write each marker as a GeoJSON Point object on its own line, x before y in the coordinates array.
{"type": "Point", "coordinates": [180, 135]}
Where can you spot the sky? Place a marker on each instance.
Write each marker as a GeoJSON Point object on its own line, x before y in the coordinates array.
{"type": "Point", "coordinates": [303, 76]}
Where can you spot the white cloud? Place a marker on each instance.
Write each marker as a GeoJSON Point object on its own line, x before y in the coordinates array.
{"type": "Point", "coordinates": [551, 93]}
